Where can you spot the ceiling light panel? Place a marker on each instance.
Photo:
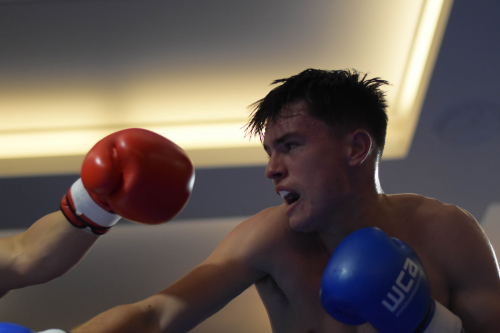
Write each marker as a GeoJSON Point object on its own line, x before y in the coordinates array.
{"type": "Point", "coordinates": [80, 70]}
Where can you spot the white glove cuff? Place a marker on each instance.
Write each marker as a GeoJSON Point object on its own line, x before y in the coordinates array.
{"type": "Point", "coordinates": [443, 321]}
{"type": "Point", "coordinates": [86, 206]}
{"type": "Point", "coordinates": [53, 330]}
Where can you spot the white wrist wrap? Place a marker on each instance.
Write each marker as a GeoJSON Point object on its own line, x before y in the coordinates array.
{"type": "Point", "coordinates": [443, 321]}
{"type": "Point", "coordinates": [86, 206]}
{"type": "Point", "coordinates": [54, 330]}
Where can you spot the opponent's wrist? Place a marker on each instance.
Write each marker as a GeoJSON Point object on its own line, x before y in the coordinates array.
{"type": "Point", "coordinates": [83, 212]}
{"type": "Point", "coordinates": [441, 320]}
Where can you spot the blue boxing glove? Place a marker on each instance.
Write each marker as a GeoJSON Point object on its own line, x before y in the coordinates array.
{"type": "Point", "coordinates": [377, 279]}
{"type": "Point", "coordinates": [14, 328]}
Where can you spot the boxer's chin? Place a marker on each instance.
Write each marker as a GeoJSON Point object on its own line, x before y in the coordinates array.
{"type": "Point", "coordinates": [300, 223]}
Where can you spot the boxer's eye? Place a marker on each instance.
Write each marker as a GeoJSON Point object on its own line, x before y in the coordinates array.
{"type": "Point", "coordinates": [290, 145]}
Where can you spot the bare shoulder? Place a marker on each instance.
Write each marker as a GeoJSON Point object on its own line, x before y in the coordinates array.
{"type": "Point", "coordinates": [459, 241]}
{"type": "Point", "coordinates": [256, 239]}
{"type": "Point", "coordinates": [434, 222]}
{"type": "Point", "coordinates": [449, 239]}
{"type": "Point", "coordinates": [445, 234]}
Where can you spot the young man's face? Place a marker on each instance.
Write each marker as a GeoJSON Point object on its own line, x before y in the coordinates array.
{"type": "Point", "coordinates": [308, 165]}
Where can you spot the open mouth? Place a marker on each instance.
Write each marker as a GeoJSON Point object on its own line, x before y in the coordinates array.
{"type": "Point", "coordinates": [289, 197]}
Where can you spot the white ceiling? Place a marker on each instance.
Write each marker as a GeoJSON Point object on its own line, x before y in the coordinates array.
{"type": "Point", "coordinates": [73, 72]}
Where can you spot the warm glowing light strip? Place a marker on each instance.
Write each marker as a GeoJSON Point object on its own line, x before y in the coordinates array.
{"type": "Point", "coordinates": [32, 139]}
{"type": "Point", "coordinates": [78, 142]}
{"type": "Point", "coordinates": [418, 58]}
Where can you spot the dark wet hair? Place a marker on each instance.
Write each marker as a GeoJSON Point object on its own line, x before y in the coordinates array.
{"type": "Point", "coordinates": [344, 99]}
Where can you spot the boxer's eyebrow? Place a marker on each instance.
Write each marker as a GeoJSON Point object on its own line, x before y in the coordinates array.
{"type": "Point", "coordinates": [279, 140]}
{"type": "Point", "coordinates": [285, 137]}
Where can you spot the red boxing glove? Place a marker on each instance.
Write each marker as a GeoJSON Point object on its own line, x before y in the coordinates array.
{"type": "Point", "coordinates": [135, 174]}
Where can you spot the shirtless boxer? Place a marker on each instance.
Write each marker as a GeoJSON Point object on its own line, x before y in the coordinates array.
{"type": "Point", "coordinates": [324, 132]}
{"type": "Point", "coordinates": [119, 169]}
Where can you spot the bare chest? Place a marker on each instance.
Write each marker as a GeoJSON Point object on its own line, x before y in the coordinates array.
{"type": "Point", "coordinates": [291, 297]}
{"type": "Point", "coordinates": [290, 293]}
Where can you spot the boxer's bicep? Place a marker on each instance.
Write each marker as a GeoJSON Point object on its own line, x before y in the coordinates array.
{"type": "Point", "coordinates": [479, 311]}
{"type": "Point", "coordinates": [10, 247]}
{"type": "Point", "coordinates": [475, 288]}
{"type": "Point", "coordinates": [476, 298]}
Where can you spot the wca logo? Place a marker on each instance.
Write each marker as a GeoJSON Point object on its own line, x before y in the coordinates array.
{"type": "Point", "coordinates": [401, 288]}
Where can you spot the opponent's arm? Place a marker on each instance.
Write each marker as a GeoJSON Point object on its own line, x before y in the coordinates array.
{"type": "Point", "coordinates": [473, 272]}
{"type": "Point", "coordinates": [134, 173]}
{"type": "Point", "coordinates": [48, 249]}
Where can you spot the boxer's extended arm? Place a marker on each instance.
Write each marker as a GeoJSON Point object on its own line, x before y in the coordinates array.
{"type": "Point", "coordinates": [179, 308]}
{"type": "Point", "coordinates": [48, 249]}
{"type": "Point", "coordinates": [130, 318]}
{"type": "Point", "coordinates": [234, 265]}
{"type": "Point", "coordinates": [473, 270]}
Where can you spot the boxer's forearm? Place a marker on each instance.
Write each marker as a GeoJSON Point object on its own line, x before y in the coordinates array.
{"type": "Point", "coordinates": [48, 249]}
{"type": "Point", "coordinates": [130, 318]}
{"type": "Point", "coordinates": [53, 246]}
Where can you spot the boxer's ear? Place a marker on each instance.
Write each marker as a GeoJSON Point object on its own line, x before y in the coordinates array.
{"type": "Point", "coordinates": [360, 146]}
